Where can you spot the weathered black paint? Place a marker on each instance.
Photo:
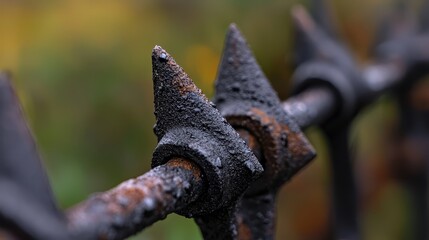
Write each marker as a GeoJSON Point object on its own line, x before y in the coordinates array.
{"type": "Point", "coordinates": [27, 205]}
{"type": "Point", "coordinates": [191, 131]}
{"type": "Point", "coordinates": [401, 58]}
{"type": "Point", "coordinates": [188, 125]}
{"type": "Point", "coordinates": [246, 99]}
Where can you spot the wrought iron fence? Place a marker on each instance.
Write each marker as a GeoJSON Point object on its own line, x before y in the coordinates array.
{"type": "Point", "coordinates": [223, 162]}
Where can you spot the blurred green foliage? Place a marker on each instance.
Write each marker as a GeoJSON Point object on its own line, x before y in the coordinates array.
{"type": "Point", "coordinates": [83, 73]}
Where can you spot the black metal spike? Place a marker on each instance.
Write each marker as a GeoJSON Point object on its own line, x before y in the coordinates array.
{"type": "Point", "coordinates": [398, 23]}
{"type": "Point", "coordinates": [322, 13]}
{"type": "Point", "coordinates": [26, 201]}
{"type": "Point", "coordinates": [320, 10]}
{"type": "Point", "coordinates": [246, 99]}
{"type": "Point", "coordinates": [19, 159]}
{"type": "Point", "coordinates": [245, 96]}
{"type": "Point", "coordinates": [180, 103]}
{"type": "Point", "coordinates": [316, 41]}
{"type": "Point", "coordinates": [240, 78]}
{"type": "Point", "coordinates": [189, 126]}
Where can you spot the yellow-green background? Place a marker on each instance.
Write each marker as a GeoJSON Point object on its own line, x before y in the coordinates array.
{"type": "Point", "coordinates": [82, 70]}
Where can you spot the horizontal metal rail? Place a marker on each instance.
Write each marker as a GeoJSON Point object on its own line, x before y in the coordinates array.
{"type": "Point", "coordinates": [137, 203]}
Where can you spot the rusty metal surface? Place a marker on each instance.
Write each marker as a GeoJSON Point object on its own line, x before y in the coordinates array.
{"type": "Point", "coordinates": [137, 203]}
{"type": "Point", "coordinates": [257, 217]}
{"type": "Point", "coordinates": [245, 98]}
{"type": "Point", "coordinates": [189, 125]}
{"type": "Point", "coordinates": [204, 169]}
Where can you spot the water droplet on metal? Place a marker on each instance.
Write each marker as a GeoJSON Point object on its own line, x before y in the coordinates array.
{"type": "Point", "coordinates": [186, 185]}
{"type": "Point", "coordinates": [123, 201]}
{"type": "Point", "coordinates": [163, 57]}
{"type": "Point", "coordinates": [220, 100]}
{"type": "Point", "coordinates": [235, 87]}
{"type": "Point", "coordinates": [231, 151]}
{"type": "Point", "coordinates": [218, 162]}
{"type": "Point", "coordinates": [250, 166]}
{"type": "Point", "coordinates": [149, 204]}
{"type": "Point", "coordinates": [179, 193]}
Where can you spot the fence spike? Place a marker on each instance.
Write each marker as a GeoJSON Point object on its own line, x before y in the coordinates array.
{"type": "Point", "coordinates": [27, 203]}
{"type": "Point", "coordinates": [398, 23]}
{"type": "Point", "coordinates": [246, 99]}
{"type": "Point", "coordinates": [321, 10]}
{"type": "Point", "coordinates": [188, 125]}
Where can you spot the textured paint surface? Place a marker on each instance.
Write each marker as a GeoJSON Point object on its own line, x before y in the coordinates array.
{"type": "Point", "coordinates": [189, 125]}
{"type": "Point", "coordinates": [246, 99]}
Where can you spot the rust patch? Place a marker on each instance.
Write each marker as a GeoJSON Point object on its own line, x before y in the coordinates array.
{"type": "Point", "coordinates": [419, 96]}
{"type": "Point", "coordinates": [244, 231]}
{"type": "Point", "coordinates": [137, 203]}
{"type": "Point", "coordinates": [186, 164]}
{"type": "Point", "coordinates": [250, 139]}
{"type": "Point", "coordinates": [180, 79]}
{"type": "Point", "coordinates": [298, 145]}
{"type": "Point", "coordinates": [186, 85]}
{"type": "Point", "coordinates": [274, 128]}
{"type": "Point", "coordinates": [266, 120]}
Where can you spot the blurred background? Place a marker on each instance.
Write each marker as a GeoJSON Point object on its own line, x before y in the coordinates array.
{"type": "Point", "coordinates": [83, 73]}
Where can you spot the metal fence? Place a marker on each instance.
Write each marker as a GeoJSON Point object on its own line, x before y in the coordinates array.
{"type": "Point", "coordinates": [223, 162]}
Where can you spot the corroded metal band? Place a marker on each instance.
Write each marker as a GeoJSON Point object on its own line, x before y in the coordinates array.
{"type": "Point", "coordinates": [205, 151]}
{"type": "Point", "coordinates": [274, 137]}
